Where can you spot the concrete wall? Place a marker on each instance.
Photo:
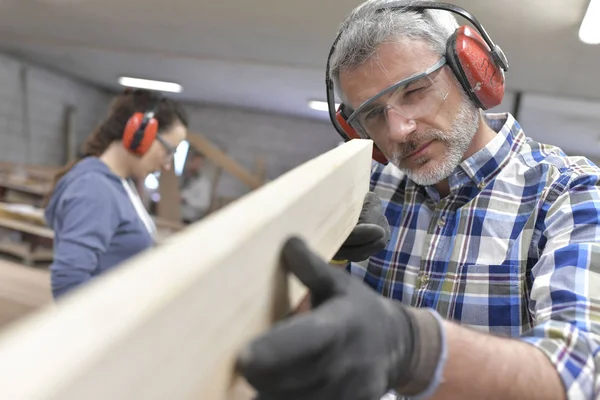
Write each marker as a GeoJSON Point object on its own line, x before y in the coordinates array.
{"type": "Point", "coordinates": [33, 103]}
{"type": "Point", "coordinates": [283, 141]}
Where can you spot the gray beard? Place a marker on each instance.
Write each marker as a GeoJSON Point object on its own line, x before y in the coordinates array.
{"type": "Point", "coordinates": [457, 140]}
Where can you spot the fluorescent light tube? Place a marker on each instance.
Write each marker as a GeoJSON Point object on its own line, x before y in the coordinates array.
{"type": "Point", "coordinates": [589, 32]}
{"type": "Point", "coordinates": [320, 105]}
{"type": "Point", "coordinates": [150, 85]}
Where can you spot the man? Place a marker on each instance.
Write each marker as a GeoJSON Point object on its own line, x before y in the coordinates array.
{"type": "Point", "coordinates": [490, 281]}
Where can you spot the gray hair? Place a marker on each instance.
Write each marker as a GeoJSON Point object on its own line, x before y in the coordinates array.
{"type": "Point", "coordinates": [366, 28]}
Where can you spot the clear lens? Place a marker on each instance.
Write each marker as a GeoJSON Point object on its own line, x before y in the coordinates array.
{"type": "Point", "coordinates": [416, 100]}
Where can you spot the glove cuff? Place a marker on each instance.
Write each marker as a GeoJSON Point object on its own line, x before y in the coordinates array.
{"type": "Point", "coordinates": [424, 374]}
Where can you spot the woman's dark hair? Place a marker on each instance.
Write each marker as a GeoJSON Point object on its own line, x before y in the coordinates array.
{"type": "Point", "coordinates": [168, 112]}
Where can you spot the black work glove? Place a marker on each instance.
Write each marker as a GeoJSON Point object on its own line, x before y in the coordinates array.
{"type": "Point", "coordinates": [370, 235]}
{"type": "Point", "coordinates": [354, 345]}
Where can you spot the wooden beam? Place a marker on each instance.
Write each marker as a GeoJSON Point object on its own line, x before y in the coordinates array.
{"type": "Point", "coordinates": [169, 206]}
{"type": "Point", "coordinates": [169, 323]}
{"type": "Point", "coordinates": [213, 190]}
{"type": "Point", "coordinates": [204, 146]}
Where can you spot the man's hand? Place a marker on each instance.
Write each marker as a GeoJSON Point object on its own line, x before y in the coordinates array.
{"type": "Point", "coordinates": [354, 345]}
{"type": "Point", "coordinates": [370, 235]}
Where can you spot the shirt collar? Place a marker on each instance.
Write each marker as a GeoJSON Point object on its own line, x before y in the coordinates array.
{"type": "Point", "coordinates": [483, 166]}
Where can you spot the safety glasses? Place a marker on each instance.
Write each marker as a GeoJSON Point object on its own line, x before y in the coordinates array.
{"type": "Point", "coordinates": [414, 97]}
{"type": "Point", "coordinates": [170, 150]}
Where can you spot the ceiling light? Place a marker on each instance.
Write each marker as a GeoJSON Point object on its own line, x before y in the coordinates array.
{"type": "Point", "coordinates": [150, 85]}
{"type": "Point", "coordinates": [320, 105]}
{"type": "Point", "coordinates": [589, 32]}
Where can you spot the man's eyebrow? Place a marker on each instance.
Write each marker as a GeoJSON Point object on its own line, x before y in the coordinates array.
{"type": "Point", "coordinates": [418, 81]}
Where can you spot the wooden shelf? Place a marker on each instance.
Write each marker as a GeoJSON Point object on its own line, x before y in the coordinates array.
{"type": "Point", "coordinates": [28, 188]}
{"type": "Point", "coordinates": [23, 212]}
{"type": "Point", "coordinates": [27, 227]}
{"type": "Point", "coordinates": [22, 251]}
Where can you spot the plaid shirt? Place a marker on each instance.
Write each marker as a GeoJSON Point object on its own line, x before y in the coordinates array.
{"type": "Point", "coordinates": [511, 251]}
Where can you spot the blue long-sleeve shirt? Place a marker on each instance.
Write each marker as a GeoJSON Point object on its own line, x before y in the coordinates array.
{"type": "Point", "coordinates": [95, 223]}
{"type": "Point", "coordinates": [513, 250]}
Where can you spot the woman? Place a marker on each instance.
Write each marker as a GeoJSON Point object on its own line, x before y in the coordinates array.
{"type": "Point", "coordinates": [97, 217]}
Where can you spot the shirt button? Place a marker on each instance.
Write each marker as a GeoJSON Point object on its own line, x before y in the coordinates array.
{"type": "Point", "coordinates": [441, 222]}
{"type": "Point", "coordinates": [481, 185]}
{"type": "Point", "coordinates": [424, 279]}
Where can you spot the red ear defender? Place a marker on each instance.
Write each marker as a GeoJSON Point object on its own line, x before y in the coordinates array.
{"type": "Point", "coordinates": [139, 133]}
{"type": "Point", "coordinates": [348, 130]}
{"type": "Point", "coordinates": [471, 60]}
{"type": "Point", "coordinates": [352, 134]}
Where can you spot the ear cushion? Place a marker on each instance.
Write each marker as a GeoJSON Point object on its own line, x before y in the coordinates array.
{"type": "Point", "coordinates": [470, 59]}
{"type": "Point", "coordinates": [138, 139]}
{"type": "Point", "coordinates": [350, 133]}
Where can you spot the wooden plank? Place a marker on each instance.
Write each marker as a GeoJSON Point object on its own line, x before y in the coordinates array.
{"type": "Point", "coordinates": [20, 250]}
{"type": "Point", "coordinates": [23, 251]}
{"type": "Point", "coordinates": [31, 189]}
{"type": "Point", "coordinates": [27, 227]}
{"type": "Point", "coordinates": [203, 145]}
{"type": "Point", "coordinates": [169, 206]}
{"type": "Point", "coordinates": [213, 190]}
{"type": "Point", "coordinates": [23, 212]}
{"type": "Point", "coordinates": [169, 323]}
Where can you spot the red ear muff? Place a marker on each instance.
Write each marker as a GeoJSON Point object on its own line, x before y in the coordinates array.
{"type": "Point", "coordinates": [378, 155]}
{"type": "Point", "coordinates": [471, 60]}
{"type": "Point", "coordinates": [350, 133]}
{"type": "Point", "coordinates": [348, 130]}
{"type": "Point", "coordinates": [139, 133]}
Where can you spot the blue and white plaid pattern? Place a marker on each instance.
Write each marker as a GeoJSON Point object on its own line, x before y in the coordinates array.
{"type": "Point", "coordinates": [512, 251]}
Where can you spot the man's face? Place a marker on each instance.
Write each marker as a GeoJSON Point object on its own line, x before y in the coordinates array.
{"type": "Point", "coordinates": [424, 128]}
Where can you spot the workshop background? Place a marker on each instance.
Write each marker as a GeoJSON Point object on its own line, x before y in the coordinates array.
{"type": "Point", "coordinates": [249, 73]}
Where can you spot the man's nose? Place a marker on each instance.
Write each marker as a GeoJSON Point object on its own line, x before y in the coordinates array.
{"type": "Point", "coordinates": [399, 126]}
